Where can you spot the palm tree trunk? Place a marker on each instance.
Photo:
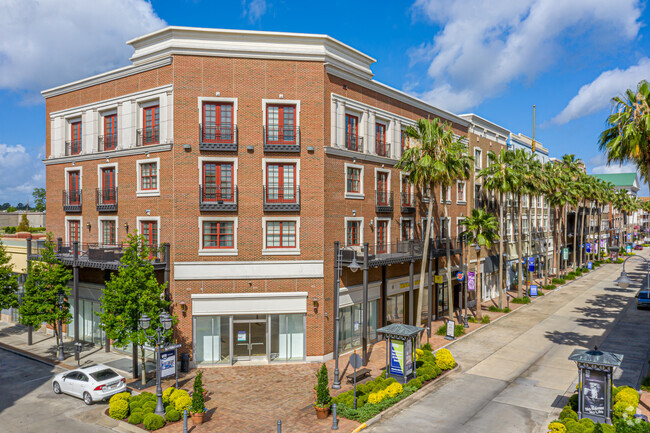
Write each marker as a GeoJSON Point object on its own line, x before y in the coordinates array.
{"type": "Point", "coordinates": [582, 231]}
{"type": "Point", "coordinates": [520, 256]}
{"type": "Point", "coordinates": [575, 238]}
{"type": "Point", "coordinates": [450, 286]}
{"type": "Point", "coordinates": [478, 282]}
{"type": "Point", "coordinates": [566, 229]}
{"type": "Point", "coordinates": [425, 256]}
{"type": "Point", "coordinates": [500, 284]}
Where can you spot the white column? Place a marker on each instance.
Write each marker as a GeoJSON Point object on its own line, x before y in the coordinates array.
{"type": "Point", "coordinates": [57, 137]}
{"type": "Point", "coordinates": [371, 134]}
{"type": "Point", "coordinates": [390, 138]}
{"type": "Point", "coordinates": [170, 117]}
{"type": "Point", "coordinates": [86, 131]}
{"type": "Point", "coordinates": [398, 139]}
{"type": "Point", "coordinates": [339, 132]}
{"type": "Point", "coordinates": [363, 131]}
{"type": "Point", "coordinates": [134, 122]}
{"type": "Point", "coordinates": [120, 127]}
{"type": "Point", "coordinates": [163, 118]}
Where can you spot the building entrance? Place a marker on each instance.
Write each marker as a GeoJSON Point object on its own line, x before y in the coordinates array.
{"type": "Point", "coordinates": [249, 335]}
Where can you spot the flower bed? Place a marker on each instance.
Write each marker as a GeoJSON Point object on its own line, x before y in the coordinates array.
{"type": "Point", "coordinates": [139, 409]}
{"type": "Point", "coordinates": [381, 393]}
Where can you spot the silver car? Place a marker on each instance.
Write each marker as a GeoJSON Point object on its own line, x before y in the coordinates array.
{"type": "Point", "coordinates": [94, 383]}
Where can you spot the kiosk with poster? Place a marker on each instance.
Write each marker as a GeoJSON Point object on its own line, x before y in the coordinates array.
{"type": "Point", "coordinates": [400, 358]}
{"type": "Point", "coordinates": [595, 370]}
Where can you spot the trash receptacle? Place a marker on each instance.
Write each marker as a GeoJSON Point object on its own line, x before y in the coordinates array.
{"type": "Point", "coordinates": [185, 363]}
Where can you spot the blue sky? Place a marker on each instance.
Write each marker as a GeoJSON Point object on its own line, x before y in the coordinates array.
{"type": "Point", "coordinates": [493, 58]}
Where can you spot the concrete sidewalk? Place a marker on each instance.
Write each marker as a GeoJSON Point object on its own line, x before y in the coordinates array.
{"type": "Point", "coordinates": [13, 337]}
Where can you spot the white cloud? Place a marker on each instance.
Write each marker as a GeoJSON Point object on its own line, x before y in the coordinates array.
{"type": "Point", "coordinates": [484, 46]}
{"type": "Point", "coordinates": [44, 43]}
{"type": "Point", "coordinates": [20, 173]}
{"type": "Point", "coordinates": [597, 95]}
{"type": "Point", "coordinates": [254, 9]}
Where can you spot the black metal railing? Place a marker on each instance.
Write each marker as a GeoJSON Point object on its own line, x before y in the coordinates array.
{"type": "Point", "coordinates": [281, 139]}
{"type": "Point", "coordinates": [408, 206]}
{"type": "Point", "coordinates": [383, 201]}
{"type": "Point", "coordinates": [72, 200]}
{"type": "Point", "coordinates": [218, 137]}
{"type": "Point", "coordinates": [147, 136]}
{"type": "Point", "coordinates": [97, 254]}
{"type": "Point", "coordinates": [73, 147]}
{"type": "Point", "coordinates": [382, 148]}
{"type": "Point", "coordinates": [281, 199]}
{"type": "Point", "coordinates": [107, 142]}
{"type": "Point", "coordinates": [353, 142]}
{"type": "Point", "coordinates": [218, 197]}
{"type": "Point", "coordinates": [106, 199]}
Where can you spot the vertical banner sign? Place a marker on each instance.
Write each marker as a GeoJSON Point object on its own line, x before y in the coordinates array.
{"type": "Point", "coordinates": [531, 264]}
{"type": "Point", "coordinates": [408, 368]}
{"type": "Point", "coordinates": [588, 247]}
{"type": "Point", "coordinates": [594, 383]}
{"type": "Point", "coordinates": [533, 290]}
{"type": "Point", "coordinates": [168, 363]}
{"type": "Point", "coordinates": [396, 357]}
{"type": "Point", "coordinates": [565, 254]}
{"type": "Point", "coordinates": [589, 265]}
{"type": "Point", "coordinates": [628, 249]}
{"type": "Point", "coordinates": [451, 328]}
{"type": "Point", "coordinates": [471, 281]}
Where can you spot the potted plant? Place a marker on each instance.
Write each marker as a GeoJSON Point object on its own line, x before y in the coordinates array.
{"type": "Point", "coordinates": [323, 397]}
{"type": "Point", "coordinates": [197, 409]}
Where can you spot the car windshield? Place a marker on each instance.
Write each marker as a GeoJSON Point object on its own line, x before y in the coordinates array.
{"type": "Point", "coordinates": [103, 375]}
{"type": "Point", "coordinates": [644, 295]}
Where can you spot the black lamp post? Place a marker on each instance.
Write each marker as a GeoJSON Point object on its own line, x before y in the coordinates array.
{"type": "Point", "coordinates": [61, 356]}
{"type": "Point", "coordinates": [158, 339]}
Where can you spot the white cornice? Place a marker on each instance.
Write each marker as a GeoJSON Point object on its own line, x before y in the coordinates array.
{"type": "Point", "coordinates": [486, 124]}
{"type": "Point", "coordinates": [154, 148]}
{"type": "Point", "coordinates": [106, 77]}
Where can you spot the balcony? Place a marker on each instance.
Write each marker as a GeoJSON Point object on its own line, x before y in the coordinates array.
{"type": "Point", "coordinates": [72, 200]}
{"type": "Point", "coordinates": [281, 139]}
{"type": "Point", "coordinates": [218, 137]}
{"type": "Point", "coordinates": [218, 198]}
{"type": "Point", "coordinates": [278, 199]}
{"type": "Point", "coordinates": [382, 149]}
{"type": "Point", "coordinates": [440, 244]}
{"type": "Point", "coordinates": [407, 203]}
{"type": "Point", "coordinates": [147, 136]}
{"type": "Point", "coordinates": [99, 256]}
{"type": "Point", "coordinates": [72, 147]}
{"type": "Point", "coordinates": [107, 142]}
{"type": "Point", "coordinates": [383, 201]}
{"type": "Point", "coordinates": [354, 142]}
{"type": "Point", "coordinates": [106, 199]}
{"type": "Point", "coordinates": [387, 253]}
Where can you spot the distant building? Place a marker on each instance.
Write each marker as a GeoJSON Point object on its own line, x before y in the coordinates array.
{"type": "Point", "coordinates": [36, 219]}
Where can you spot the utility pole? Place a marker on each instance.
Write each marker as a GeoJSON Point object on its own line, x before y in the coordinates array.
{"type": "Point", "coordinates": [533, 129]}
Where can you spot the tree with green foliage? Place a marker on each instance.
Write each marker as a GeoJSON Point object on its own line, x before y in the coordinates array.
{"type": "Point", "coordinates": [23, 226]}
{"type": "Point", "coordinates": [198, 401]}
{"type": "Point", "coordinates": [46, 279]}
{"type": "Point", "coordinates": [130, 293]}
{"type": "Point", "coordinates": [39, 199]}
{"type": "Point", "coordinates": [8, 281]}
{"type": "Point", "coordinates": [11, 209]}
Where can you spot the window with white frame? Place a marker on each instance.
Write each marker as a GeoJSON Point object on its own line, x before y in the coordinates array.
{"type": "Point", "coordinates": [423, 228]}
{"type": "Point", "coordinates": [478, 161]}
{"type": "Point", "coordinates": [445, 230]}
{"type": "Point", "coordinates": [281, 121]}
{"type": "Point", "coordinates": [406, 229]}
{"type": "Point", "coordinates": [353, 181]}
{"type": "Point", "coordinates": [407, 192]}
{"type": "Point", "coordinates": [107, 230]}
{"type": "Point", "coordinates": [382, 235]}
{"type": "Point", "coordinates": [524, 225]}
{"type": "Point", "coordinates": [382, 186]}
{"type": "Point", "coordinates": [148, 177]}
{"type": "Point", "coordinates": [73, 228]}
{"type": "Point", "coordinates": [353, 232]}
{"type": "Point", "coordinates": [461, 192]}
{"type": "Point", "coordinates": [281, 235]}
{"type": "Point", "coordinates": [445, 194]}
{"type": "Point", "coordinates": [218, 235]}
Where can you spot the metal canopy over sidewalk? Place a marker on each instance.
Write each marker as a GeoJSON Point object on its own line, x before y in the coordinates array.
{"type": "Point", "coordinates": [401, 252]}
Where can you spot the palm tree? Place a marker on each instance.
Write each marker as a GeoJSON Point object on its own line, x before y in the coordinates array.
{"type": "Point", "coordinates": [480, 228]}
{"type": "Point", "coordinates": [500, 177]}
{"type": "Point", "coordinates": [435, 158]}
{"type": "Point", "coordinates": [573, 168]}
{"type": "Point", "coordinates": [628, 136]}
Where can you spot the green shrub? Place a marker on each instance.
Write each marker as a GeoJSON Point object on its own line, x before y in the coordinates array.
{"type": "Point", "coordinates": [178, 393]}
{"type": "Point", "coordinates": [623, 407]}
{"type": "Point", "coordinates": [568, 413]}
{"type": "Point", "coordinates": [645, 383]}
{"type": "Point", "coordinates": [556, 427]}
{"type": "Point", "coordinates": [472, 319]}
{"type": "Point", "coordinates": [323, 398]}
{"type": "Point", "coordinates": [172, 415]}
{"type": "Point", "coordinates": [147, 410]}
{"type": "Point", "coordinates": [507, 310]}
{"type": "Point", "coordinates": [458, 330]}
{"type": "Point", "coordinates": [198, 402]}
{"type": "Point", "coordinates": [557, 281]}
{"type": "Point", "coordinates": [570, 277]}
{"type": "Point", "coordinates": [167, 393]}
{"type": "Point", "coordinates": [182, 403]}
{"type": "Point", "coordinates": [118, 409]}
{"type": "Point", "coordinates": [494, 309]}
{"type": "Point", "coordinates": [136, 418]}
{"type": "Point", "coordinates": [427, 347]}
{"type": "Point", "coordinates": [120, 396]}
{"type": "Point", "coordinates": [550, 287]}
{"type": "Point", "coordinates": [522, 300]}
{"type": "Point", "coordinates": [485, 319]}
{"type": "Point", "coordinates": [573, 402]}
{"type": "Point", "coordinates": [153, 421]}
{"type": "Point", "coordinates": [629, 396]}
{"type": "Point", "coordinates": [133, 405]}
{"type": "Point", "coordinates": [151, 404]}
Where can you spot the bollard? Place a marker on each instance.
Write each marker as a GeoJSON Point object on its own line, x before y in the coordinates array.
{"type": "Point", "coordinates": [185, 421]}
{"type": "Point", "coordinates": [279, 426]}
{"type": "Point", "coordinates": [335, 421]}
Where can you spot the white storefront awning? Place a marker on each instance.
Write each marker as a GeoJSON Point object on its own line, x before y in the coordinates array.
{"type": "Point", "coordinates": [249, 303]}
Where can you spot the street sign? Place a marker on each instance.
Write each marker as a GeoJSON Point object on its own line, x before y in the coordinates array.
{"type": "Point", "coordinates": [471, 281]}
{"type": "Point", "coordinates": [589, 265]}
{"type": "Point", "coordinates": [531, 264]}
{"type": "Point", "coordinates": [168, 363]}
{"type": "Point", "coordinates": [451, 327]}
{"type": "Point", "coordinates": [355, 361]}
{"type": "Point", "coordinates": [437, 279]}
{"type": "Point", "coordinates": [565, 254]}
{"type": "Point", "coordinates": [533, 290]}
{"type": "Point", "coordinates": [628, 249]}
{"type": "Point", "coordinates": [460, 276]}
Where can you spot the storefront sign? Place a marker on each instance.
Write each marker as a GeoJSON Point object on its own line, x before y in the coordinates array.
{"type": "Point", "coordinates": [408, 369]}
{"type": "Point", "coordinates": [533, 290]}
{"type": "Point", "coordinates": [589, 265]}
{"type": "Point", "coordinates": [241, 335]}
{"type": "Point", "coordinates": [460, 276]}
{"type": "Point", "coordinates": [396, 357]}
{"type": "Point", "coordinates": [451, 328]}
{"type": "Point", "coordinates": [565, 254]}
{"type": "Point", "coordinates": [168, 363]}
{"type": "Point", "coordinates": [471, 281]}
{"type": "Point", "coordinates": [437, 279]}
{"type": "Point", "coordinates": [593, 385]}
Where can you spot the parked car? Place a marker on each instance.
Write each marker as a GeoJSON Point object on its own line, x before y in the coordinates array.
{"type": "Point", "coordinates": [638, 247]}
{"type": "Point", "coordinates": [643, 299]}
{"type": "Point", "coordinates": [93, 383]}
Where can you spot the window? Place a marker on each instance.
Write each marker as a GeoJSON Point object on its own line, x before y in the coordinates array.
{"type": "Point", "coordinates": [151, 125]}
{"type": "Point", "coordinates": [353, 233]}
{"type": "Point", "coordinates": [447, 194]}
{"type": "Point", "coordinates": [281, 124]}
{"type": "Point", "coordinates": [478, 163]}
{"type": "Point", "coordinates": [351, 132]}
{"type": "Point", "coordinates": [218, 181]}
{"type": "Point", "coordinates": [524, 225]}
{"type": "Point", "coordinates": [74, 234]}
{"type": "Point", "coordinates": [74, 189]}
{"type": "Point", "coordinates": [382, 187]}
{"type": "Point", "coordinates": [380, 139]}
{"type": "Point", "coordinates": [75, 138]}
{"type": "Point", "coordinates": [149, 230]}
{"type": "Point", "coordinates": [406, 192]}
{"type": "Point", "coordinates": [149, 176]}
{"type": "Point", "coordinates": [478, 197]}
{"type": "Point", "coordinates": [217, 124]}
{"type": "Point", "coordinates": [382, 236]}
{"type": "Point", "coordinates": [218, 234]}
{"type": "Point", "coordinates": [109, 235]}
{"type": "Point", "coordinates": [459, 226]}
{"type": "Point", "coordinates": [281, 183]}
{"type": "Point", "coordinates": [460, 192]}
{"type": "Point", "coordinates": [110, 132]}
{"type": "Point", "coordinates": [108, 191]}
{"type": "Point", "coordinates": [403, 140]}
{"type": "Point", "coordinates": [354, 180]}
{"type": "Point", "coordinates": [281, 234]}
{"type": "Point", "coordinates": [407, 229]}
{"type": "Point", "coordinates": [444, 228]}
{"type": "Point", "coordinates": [423, 226]}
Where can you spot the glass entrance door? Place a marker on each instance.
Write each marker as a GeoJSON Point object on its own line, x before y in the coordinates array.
{"type": "Point", "coordinates": [249, 337]}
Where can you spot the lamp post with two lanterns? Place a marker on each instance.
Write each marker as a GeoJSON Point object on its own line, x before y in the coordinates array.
{"type": "Point", "coordinates": [624, 281]}
{"type": "Point", "coordinates": [158, 339]}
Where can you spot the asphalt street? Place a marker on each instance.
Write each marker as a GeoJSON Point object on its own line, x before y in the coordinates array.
{"type": "Point", "coordinates": [514, 375]}
{"type": "Point", "coordinates": [28, 404]}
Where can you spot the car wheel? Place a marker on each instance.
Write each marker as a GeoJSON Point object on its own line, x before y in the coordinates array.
{"type": "Point", "coordinates": [56, 387]}
{"type": "Point", "coordinates": [88, 399]}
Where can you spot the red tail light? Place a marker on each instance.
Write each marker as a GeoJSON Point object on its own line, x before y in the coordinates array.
{"type": "Point", "coordinates": [123, 380]}
{"type": "Point", "coordinates": [99, 388]}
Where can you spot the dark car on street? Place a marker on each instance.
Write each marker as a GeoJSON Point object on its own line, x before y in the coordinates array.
{"type": "Point", "coordinates": [638, 247]}
{"type": "Point", "coordinates": [643, 299]}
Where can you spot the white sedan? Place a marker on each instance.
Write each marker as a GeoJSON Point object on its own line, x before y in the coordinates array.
{"type": "Point", "coordinates": [94, 383]}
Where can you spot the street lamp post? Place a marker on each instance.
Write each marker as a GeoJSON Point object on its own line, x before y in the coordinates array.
{"type": "Point", "coordinates": [354, 266]}
{"type": "Point", "coordinates": [624, 281]}
{"type": "Point", "coordinates": [61, 356]}
{"type": "Point", "coordinates": [158, 339]}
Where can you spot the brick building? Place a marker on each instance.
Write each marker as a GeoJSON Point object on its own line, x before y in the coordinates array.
{"type": "Point", "coordinates": [250, 154]}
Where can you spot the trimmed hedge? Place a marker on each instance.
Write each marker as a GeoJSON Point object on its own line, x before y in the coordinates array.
{"type": "Point", "coordinates": [153, 421]}
{"type": "Point", "coordinates": [118, 409]}
{"type": "Point", "coordinates": [136, 418]}
{"type": "Point", "coordinates": [172, 415]}
{"type": "Point", "coordinates": [458, 330]}
{"type": "Point", "coordinates": [522, 300]}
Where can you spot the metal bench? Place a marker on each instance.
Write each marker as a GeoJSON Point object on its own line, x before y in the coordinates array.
{"type": "Point", "coordinates": [360, 375]}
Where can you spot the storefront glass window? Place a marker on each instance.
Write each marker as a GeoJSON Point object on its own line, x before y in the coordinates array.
{"type": "Point", "coordinates": [287, 337]}
{"type": "Point", "coordinates": [350, 330]}
{"type": "Point", "coordinates": [212, 339]}
{"type": "Point", "coordinates": [395, 309]}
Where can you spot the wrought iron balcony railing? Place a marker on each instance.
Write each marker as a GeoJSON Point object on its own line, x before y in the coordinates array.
{"type": "Point", "coordinates": [106, 199]}
{"type": "Point", "coordinates": [281, 139]}
{"type": "Point", "coordinates": [107, 142]}
{"type": "Point", "coordinates": [147, 136]}
{"type": "Point", "coordinates": [218, 137]}
{"type": "Point", "coordinates": [72, 147]}
{"type": "Point", "coordinates": [218, 198]}
{"type": "Point", "coordinates": [72, 200]}
{"type": "Point", "coordinates": [278, 199]}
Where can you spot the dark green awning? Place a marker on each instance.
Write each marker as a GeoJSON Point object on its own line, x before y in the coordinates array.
{"type": "Point", "coordinates": [400, 331]}
{"type": "Point", "coordinates": [596, 357]}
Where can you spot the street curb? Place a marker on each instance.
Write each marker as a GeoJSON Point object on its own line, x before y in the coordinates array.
{"type": "Point", "coordinates": [29, 355]}
{"type": "Point", "coordinates": [124, 426]}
